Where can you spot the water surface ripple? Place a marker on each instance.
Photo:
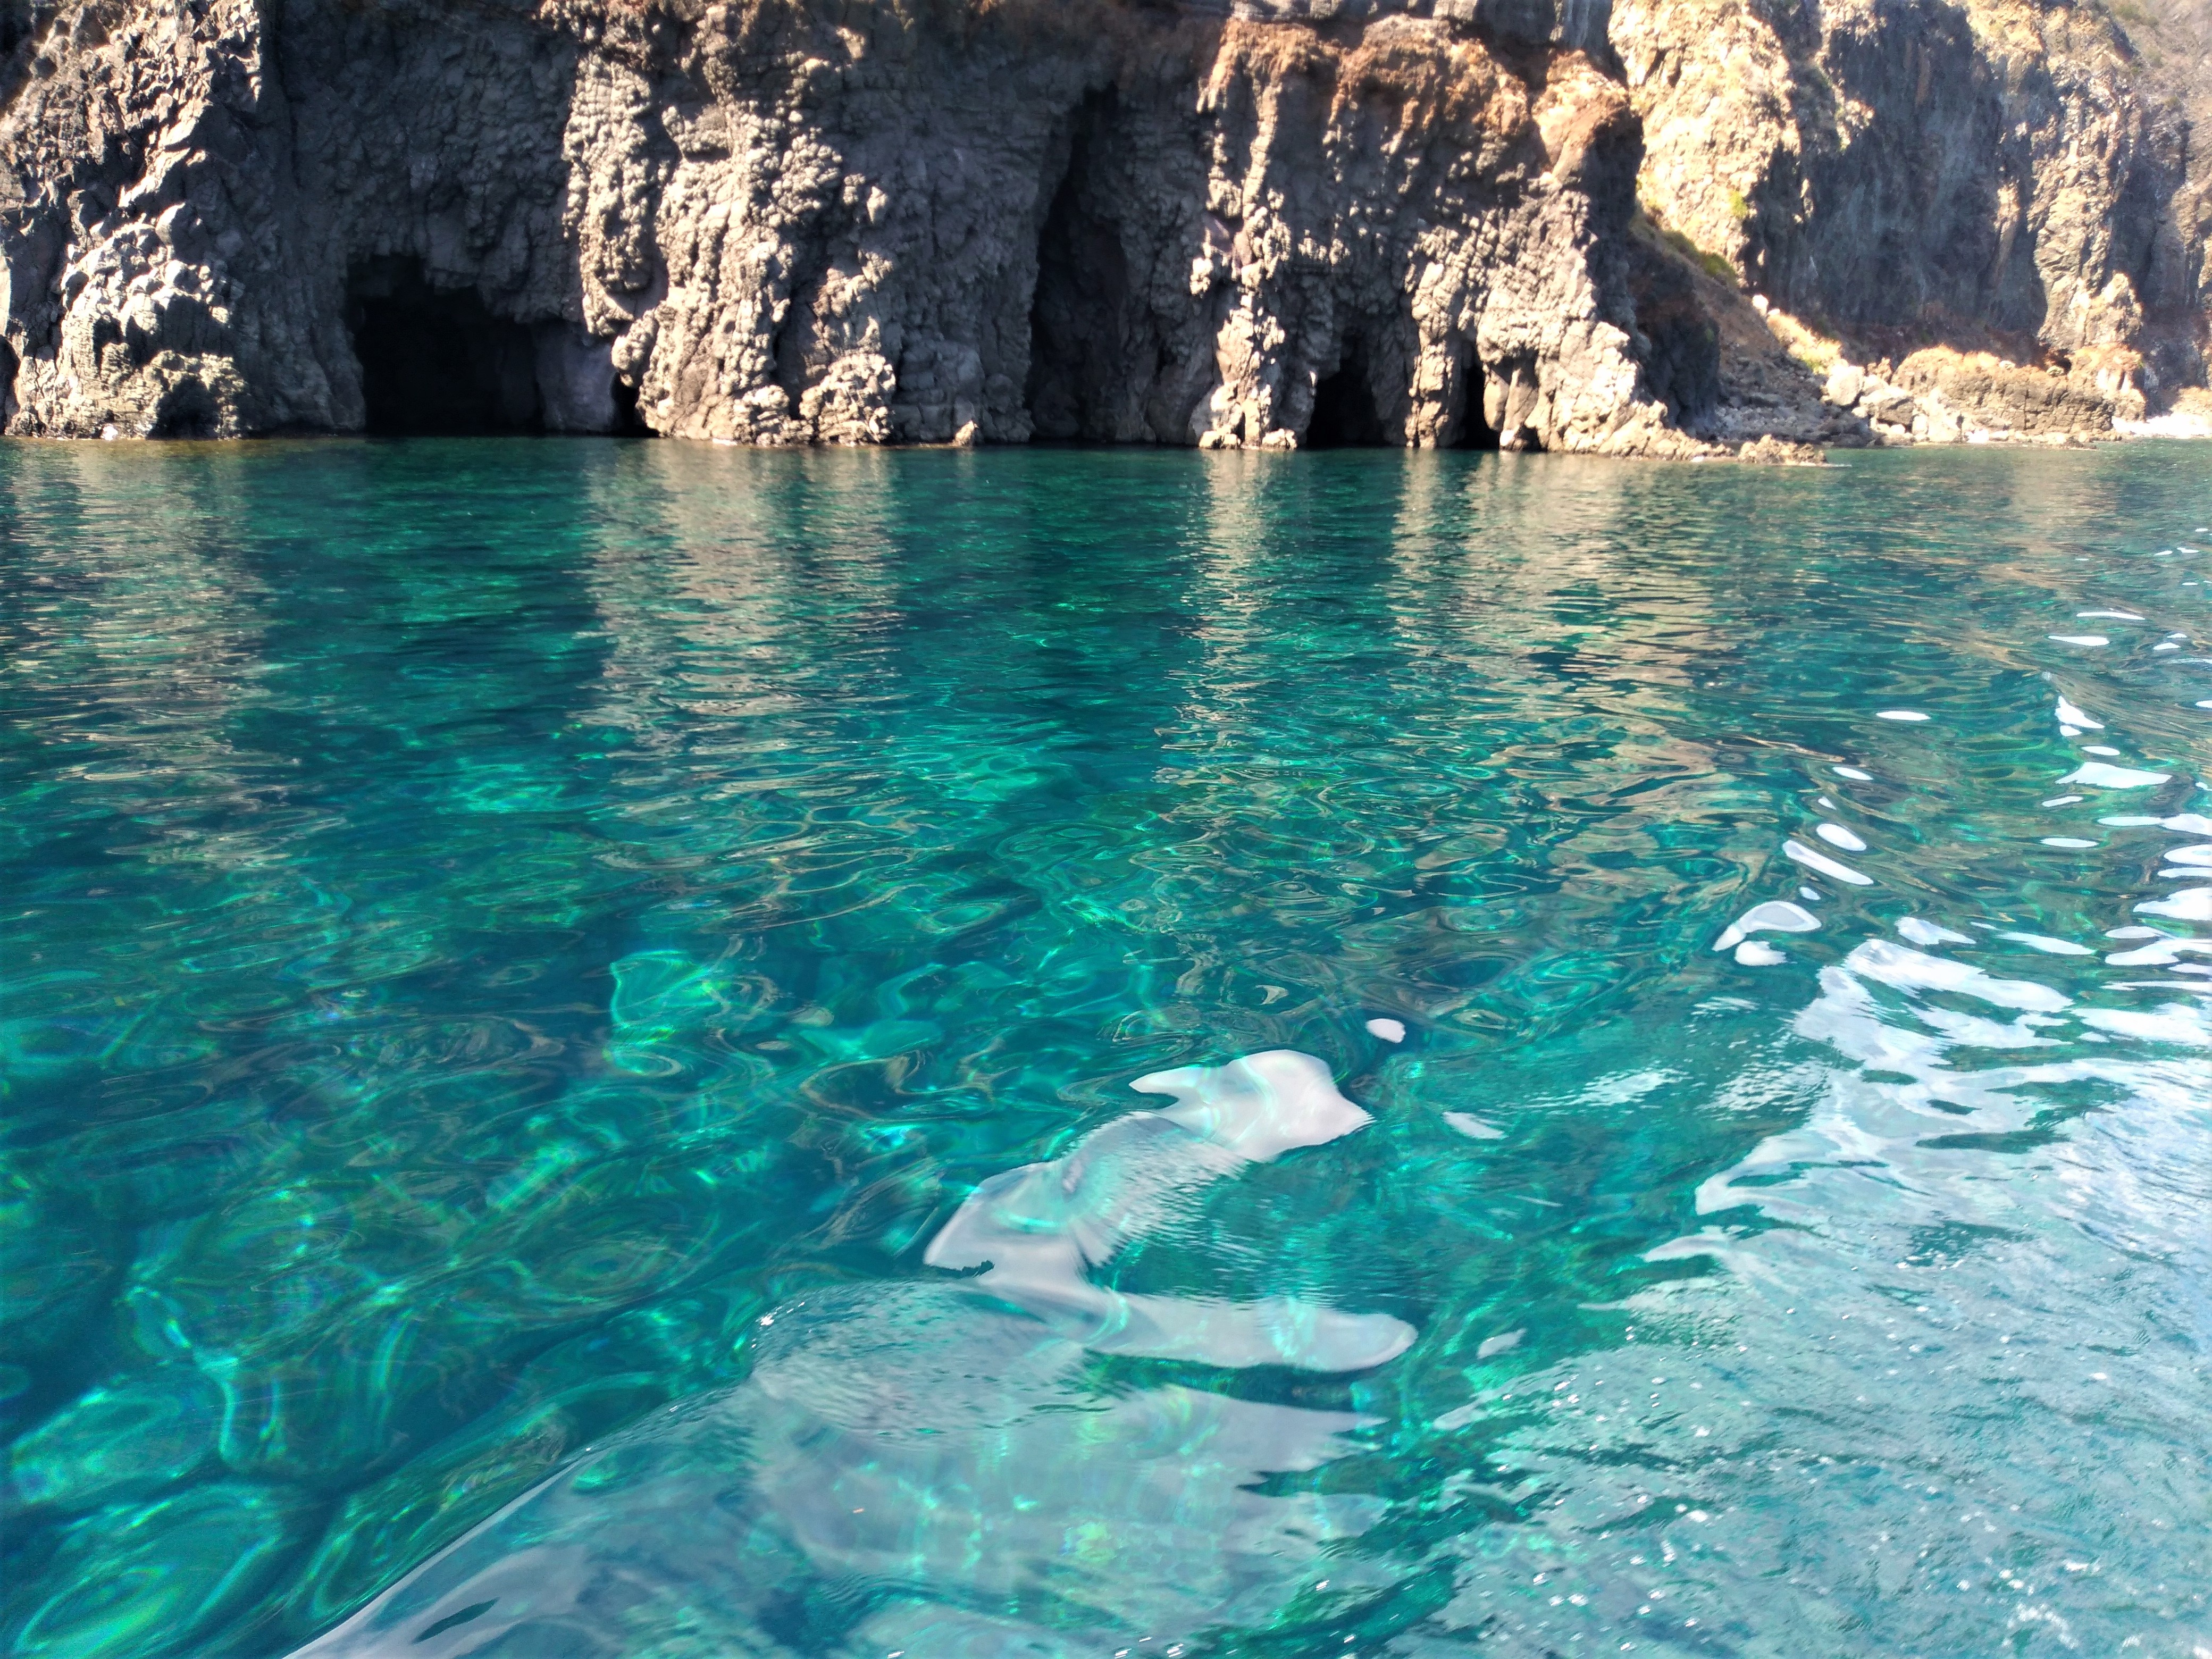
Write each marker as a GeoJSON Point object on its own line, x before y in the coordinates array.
{"type": "Point", "coordinates": [636, 1049]}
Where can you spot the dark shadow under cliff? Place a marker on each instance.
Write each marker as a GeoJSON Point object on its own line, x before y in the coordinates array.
{"type": "Point", "coordinates": [435, 362]}
{"type": "Point", "coordinates": [1345, 415]}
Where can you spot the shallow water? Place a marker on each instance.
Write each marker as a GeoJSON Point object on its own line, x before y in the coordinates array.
{"type": "Point", "coordinates": [537, 975]}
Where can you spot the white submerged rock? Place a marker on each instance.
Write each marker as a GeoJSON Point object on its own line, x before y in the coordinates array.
{"type": "Point", "coordinates": [948, 1436]}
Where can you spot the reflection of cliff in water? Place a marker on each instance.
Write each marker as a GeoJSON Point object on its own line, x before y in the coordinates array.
{"type": "Point", "coordinates": [942, 1467]}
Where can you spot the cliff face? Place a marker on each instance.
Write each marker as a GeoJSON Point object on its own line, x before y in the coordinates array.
{"type": "Point", "coordinates": [861, 224]}
{"type": "Point", "coordinates": [863, 220]}
{"type": "Point", "coordinates": [1912, 171]}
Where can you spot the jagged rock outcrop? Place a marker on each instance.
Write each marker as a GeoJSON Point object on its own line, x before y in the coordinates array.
{"type": "Point", "coordinates": [1280, 222]}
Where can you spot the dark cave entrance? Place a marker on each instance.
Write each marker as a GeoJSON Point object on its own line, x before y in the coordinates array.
{"type": "Point", "coordinates": [1076, 319]}
{"type": "Point", "coordinates": [435, 362]}
{"type": "Point", "coordinates": [628, 423]}
{"type": "Point", "coordinates": [1474, 432]}
{"type": "Point", "coordinates": [1345, 415]}
{"type": "Point", "coordinates": [187, 410]}
{"type": "Point", "coordinates": [1348, 415]}
{"type": "Point", "coordinates": [1681, 343]}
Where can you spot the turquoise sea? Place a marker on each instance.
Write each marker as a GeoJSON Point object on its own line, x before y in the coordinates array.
{"type": "Point", "coordinates": [570, 1012]}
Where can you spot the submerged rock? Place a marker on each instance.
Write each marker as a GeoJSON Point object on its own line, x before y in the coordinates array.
{"type": "Point", "coordinates": [158, 1579]}
{"type": "Point", "coordinates": [129, 1437]}
{"type": "Point", "coordinates": [944, 1446]}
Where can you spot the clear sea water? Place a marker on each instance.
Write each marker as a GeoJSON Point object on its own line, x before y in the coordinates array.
{"type": "Point", "coordinates": [521, 959]}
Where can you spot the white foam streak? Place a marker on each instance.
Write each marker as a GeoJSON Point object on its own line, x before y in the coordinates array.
{"type": "Point", "coordinates": [2048, 945]}
{"type": "Point", "coordinates": [1914, 971]}
{"type": "Point", "coordinates": [2101, 775]}
{"type": "Point", "coordinates": [2177, 1022]}
{"type": "Point", "coordinates": [1776, 916]}
{"type": "Point", "coordinates": [1798, 852]}
{"type": "Point", "coordinates": [2190, 904]}
{"type": "Point", "coordinates": [2162, 953]}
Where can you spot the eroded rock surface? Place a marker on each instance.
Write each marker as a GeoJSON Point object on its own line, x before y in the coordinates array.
{"type": "Point", "coordinates": [1999, 176]}
{"type": "Point", "coordinates": [1269, 224]}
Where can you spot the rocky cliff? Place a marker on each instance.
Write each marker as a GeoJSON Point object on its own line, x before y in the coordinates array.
{"type": "Point", "coordinates": [984, 221]}
{"type": "Point", "coordinates": [1998, 193]}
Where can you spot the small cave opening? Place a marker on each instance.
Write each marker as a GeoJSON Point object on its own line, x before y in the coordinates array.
{"type": "Point", "coordinates": [1082, 297]}
{"type": "Point", "coordinates": [435, 362]}
{"type": "Point", "coordinates": [628, 423]}
{"type": "Point", "coordinates": [1474, 432]}
{"type": "Point", "coordinates": [1345, 416]}
{"type": "Point", "coordinates": [187, 410]}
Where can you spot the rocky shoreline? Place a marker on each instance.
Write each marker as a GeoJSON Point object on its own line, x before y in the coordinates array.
{"type": "Point", "coordinates": [1516, 223]}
